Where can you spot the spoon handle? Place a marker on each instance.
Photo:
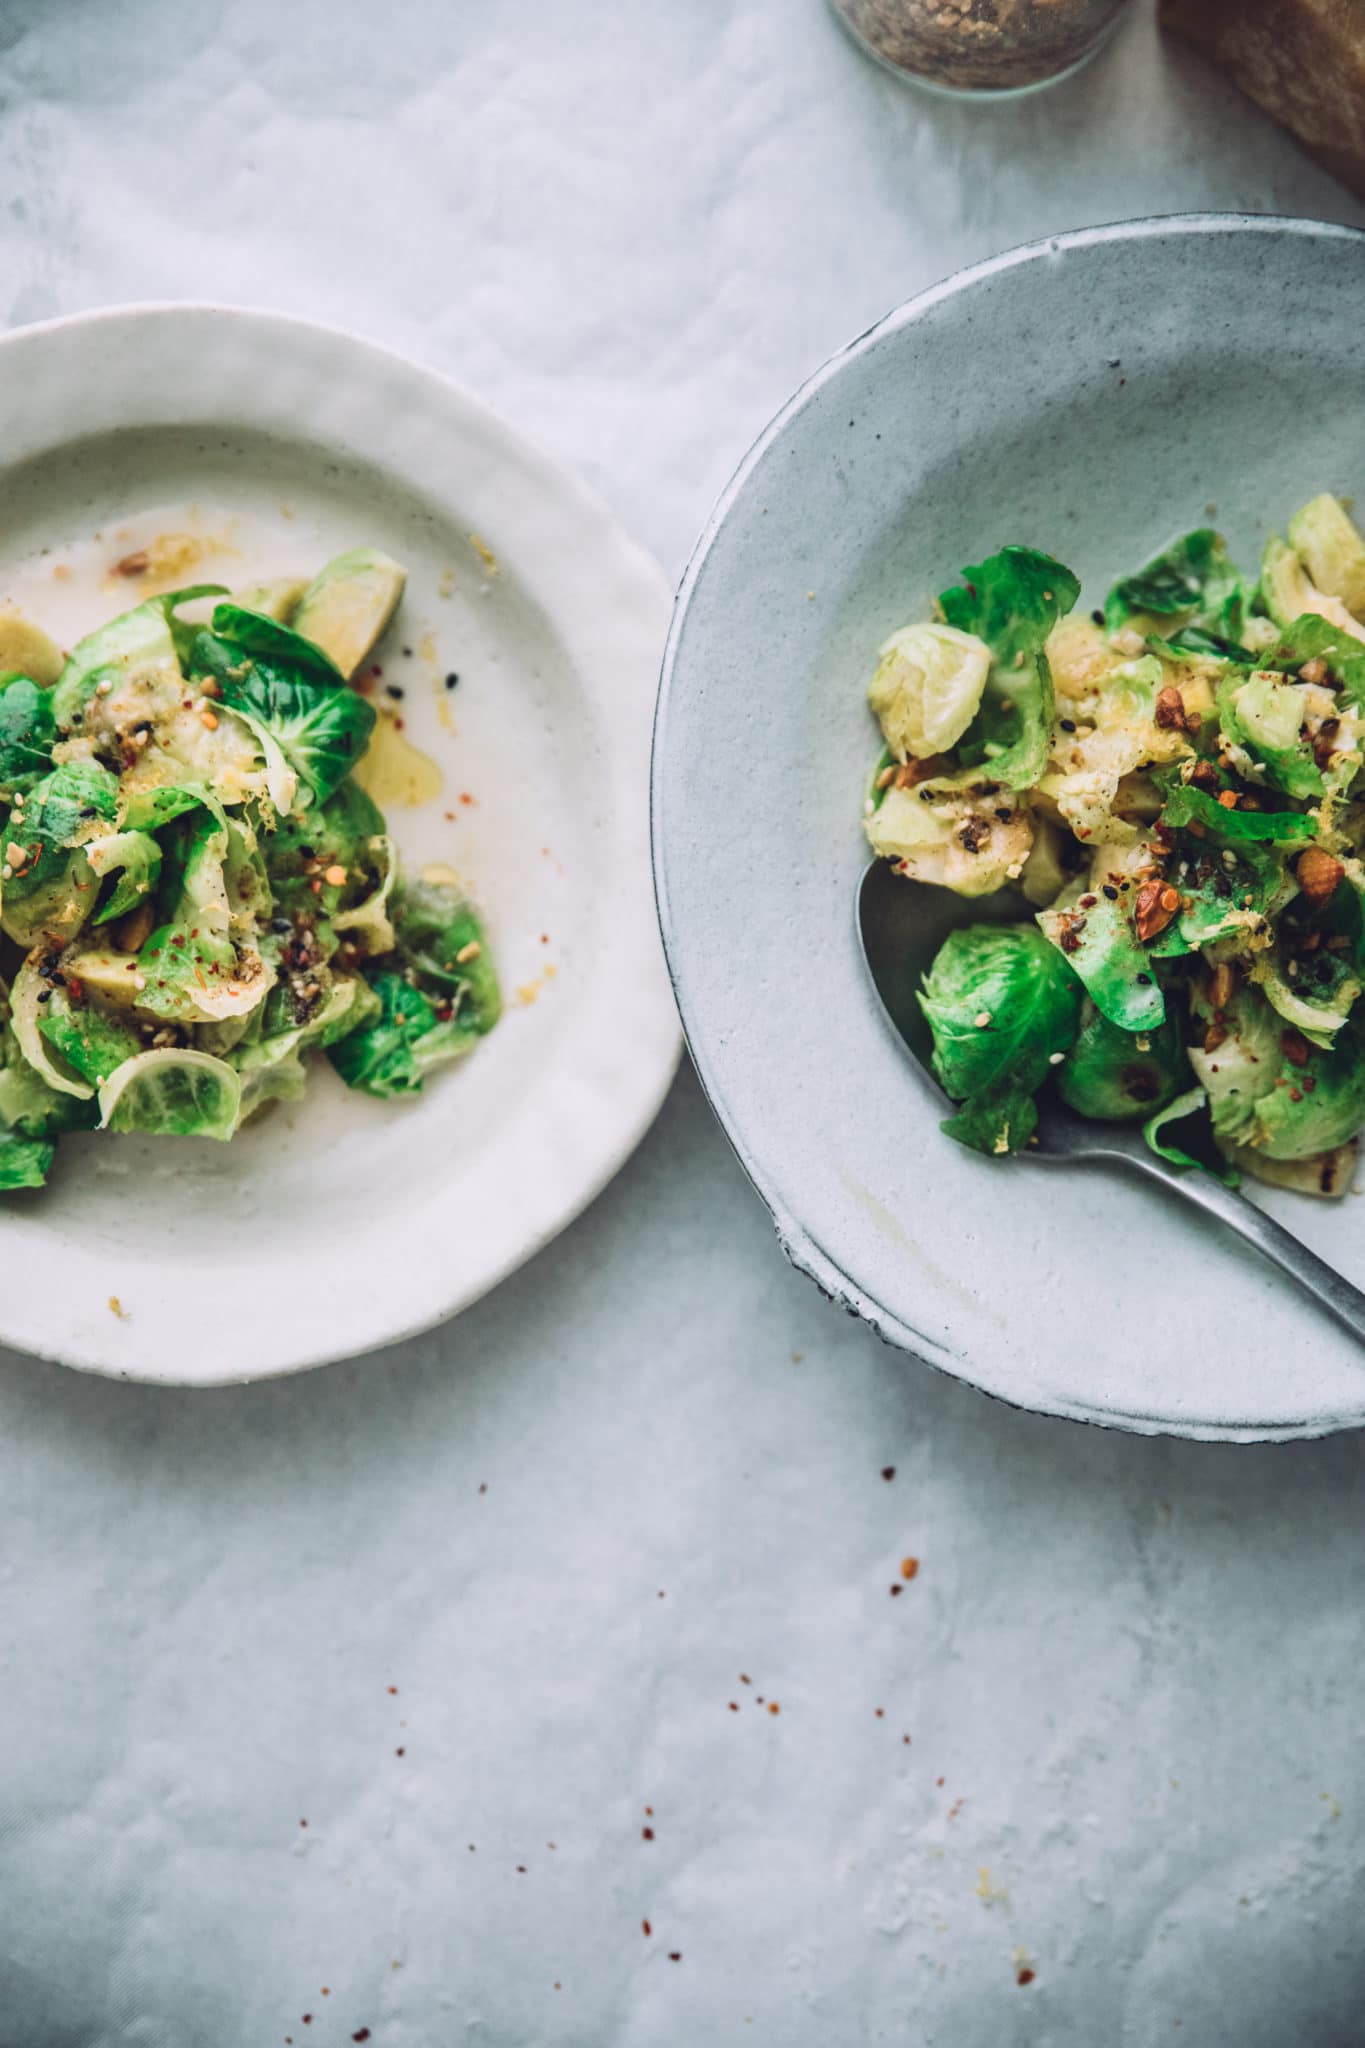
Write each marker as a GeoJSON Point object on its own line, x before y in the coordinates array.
{"type": "Point", "coordinates": [1280, 1246]}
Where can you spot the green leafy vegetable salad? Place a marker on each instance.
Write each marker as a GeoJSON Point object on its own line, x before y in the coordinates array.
{"type": "Point", "coordinates": [195, 892]}
{"type": "Point", "coordinates": [1172, 788]}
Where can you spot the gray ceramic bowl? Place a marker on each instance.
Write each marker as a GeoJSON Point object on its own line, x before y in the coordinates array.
{"type": "Point", "coordinates": [1090, 395]}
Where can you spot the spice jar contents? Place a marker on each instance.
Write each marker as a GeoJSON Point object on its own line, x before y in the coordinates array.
{"type": "Point", "coordinates": [981, 45]}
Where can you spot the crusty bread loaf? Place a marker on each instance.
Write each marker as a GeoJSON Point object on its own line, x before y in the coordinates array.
{"type": "Point", "coordinates": [1302, 60]}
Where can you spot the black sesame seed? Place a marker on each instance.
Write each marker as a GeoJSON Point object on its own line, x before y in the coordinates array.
{"type": "Point", "coordinates": [1098, 617]}
{"type": "Point", "coordinates": [1111, 892]}
{"type": "Point", "coordinates": [280, 924]}
{"type": "Point", "coordinates": [1145, 979]}
{"type": "Point", "coordinates": [393, 689]}
{"type": "Point", "coordinates": [1067, 724]}
{"type": "Point", "coordinates": [452, 680]}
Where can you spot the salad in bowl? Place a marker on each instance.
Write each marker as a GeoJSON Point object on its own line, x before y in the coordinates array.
{"type": "Point", "coordinates": [196, 892]}
{"type": "Point", "coordinates": [1171, 787]}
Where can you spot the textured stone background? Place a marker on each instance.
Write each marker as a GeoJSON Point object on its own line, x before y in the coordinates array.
{"type": "Point", "coordinates": [1128, 1671]}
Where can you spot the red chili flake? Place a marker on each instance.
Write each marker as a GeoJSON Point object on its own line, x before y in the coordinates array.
{"type": "Point", "coordinates": [466, 798]}
{"type": "Point", "coordinates": [675, 1955]}
{"type": "Point", "coordinates": [938, 1781]}
{"type": "Point", "coordinates": [545, 938]}
{"type": "Point", "coordinates": [645, 1927]}
{"type": "Point", "coordinates": [660, 1594]}
{"type": "Point", "coordinates": [758, 1699]}
{"type": "Point", "coordinates": [734, 1706]}
{"type": "Point", "coordinates": [650, 1811]}
{"type": "Point", "coordinates": [393, 1688]}
{"type": "Point", "coordinates": [1025, 1976]}
{"type": "Point", "coordinates": [905, 1738]}
{"type": "Point", "coordinates": [896, 1592]}
{"type": "Point", "coordinates": [888, 1472]}
{"type": "Point", "coordinates": [647, 1834]}
{"type": "Point", "coordinates": [398, 725]}
{"type": "Point", "coordinates": [909, 1567]}
{"type": "Point", "coordinates": [303, 1823]}
{"type": "Point", "coordinates": [521, 1870]}
{"type": "Point", "coordinates": [484, 1487]}
{"type": "Point", "coordinates": [400, 1752]}
{"type": "Point", "coordinates": [773, 1707]}
{"type": "Point", "coordinates": [744, 1678]}
{"type": "Point", "coordinates": [361, 2034]}
{"type": "Point", "coordinates": [326, 1992]}
{"type": "Point", "coordinates": [880, 1712]}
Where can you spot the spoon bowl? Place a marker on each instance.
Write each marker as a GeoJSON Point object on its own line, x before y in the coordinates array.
{"type": "Point", "coordinates": [902, 924]}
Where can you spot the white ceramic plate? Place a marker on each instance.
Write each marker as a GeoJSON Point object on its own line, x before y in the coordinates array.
{"type": "Point", "coordinates": [342, 1223]}
{"type": "Point", "coordinates": [1090, 396]}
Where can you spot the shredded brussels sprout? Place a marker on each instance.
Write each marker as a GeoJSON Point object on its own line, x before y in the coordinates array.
{"type": "Point", "coordinates": [195, 892]}
{"type": "Point", "coordinates": [1174, 784]}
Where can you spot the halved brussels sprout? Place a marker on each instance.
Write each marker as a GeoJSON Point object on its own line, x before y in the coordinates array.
{"type": "Point", "coordinates": [1117, 1076]}
{"type": "Point", "coordinates": [928, 688]}
{"type": "Point", "coordinates": [1330, 544]}
{"type": "Point", "coordinates": [349, 603]}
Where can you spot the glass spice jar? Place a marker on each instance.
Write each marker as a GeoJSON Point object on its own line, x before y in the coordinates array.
{"type": "Point", "coordinates": [987, 47]}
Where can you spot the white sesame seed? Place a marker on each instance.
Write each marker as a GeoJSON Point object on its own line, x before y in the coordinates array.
{"type": "Point", "coordinates": [982, 1019]}
{"type": "Point", "coordinates": [1054, 1059]}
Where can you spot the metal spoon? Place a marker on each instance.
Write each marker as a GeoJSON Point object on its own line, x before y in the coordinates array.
{"type": "Point", "coordinates": [902, 924]}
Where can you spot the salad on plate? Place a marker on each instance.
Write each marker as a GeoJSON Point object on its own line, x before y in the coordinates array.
{"type": "Point", "coordinates": [1171, 789]}
{"type": "Point", "coordinates": [195, 891]}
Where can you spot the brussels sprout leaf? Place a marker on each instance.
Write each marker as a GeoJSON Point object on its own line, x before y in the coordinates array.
{"type": "Point", "coordinates": [265, 639]}
{"type": "Point", "coordinates": [28, 734]}
{"type": "Point", "coordinates": [1012, 601]}
{"type": "Point", "coordinates": [1192, 577]}
{"type": "Point", "coordinates": [321, 728]}
{"type": "Point", "coordinates": [1101, 944]}
{"type": "Point", "coordinates": [24, 1162]}
{"type": "Point", "coordinates": [1227, 827]}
